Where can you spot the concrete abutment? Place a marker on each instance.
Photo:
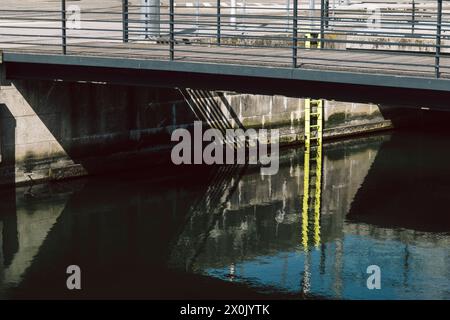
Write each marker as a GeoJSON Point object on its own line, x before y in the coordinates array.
{"type": "Point", "coordinates": [52, 130]}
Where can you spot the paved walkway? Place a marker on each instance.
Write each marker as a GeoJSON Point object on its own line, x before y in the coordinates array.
{"type": "Point", "coordinates": [393, 63]}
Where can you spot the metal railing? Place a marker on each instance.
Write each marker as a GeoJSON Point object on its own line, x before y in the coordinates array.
{"type": "Point", "coordinates": [400, 37]}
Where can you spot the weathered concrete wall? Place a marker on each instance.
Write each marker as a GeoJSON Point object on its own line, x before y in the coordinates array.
{"type": "Point", "coordinates": [288, 115]}
{"type": "Point", "coordinates": [53, 130]}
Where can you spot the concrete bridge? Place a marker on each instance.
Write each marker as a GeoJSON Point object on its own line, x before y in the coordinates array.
{"type": "Point", "coordinates": [86, 85]}
{"type": "Point", "coordinates": [389, 51]}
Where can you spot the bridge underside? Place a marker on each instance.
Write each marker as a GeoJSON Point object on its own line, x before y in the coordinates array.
{"type": "Point", "coordinates": [393, 89]}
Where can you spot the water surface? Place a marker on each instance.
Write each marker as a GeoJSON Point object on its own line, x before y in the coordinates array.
{"type": "Point", "coordinates": [231, 233]}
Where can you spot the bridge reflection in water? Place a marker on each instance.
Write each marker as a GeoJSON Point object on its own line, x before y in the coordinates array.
{"type": "Point", "coordinates": [235, 234]}
{"type": "Point", "coordinates": [266, 238]}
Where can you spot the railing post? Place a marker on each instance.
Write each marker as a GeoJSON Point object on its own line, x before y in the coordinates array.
{"type": "Point", "coordinates": [322, 22]}
{"type": "Point", "coordinates": [125, 9]}
{"type": "Point", "coordinates": [172, 29]}
{"type": "Point", "coordinates": [413, 18]}
{"type": "Point", "coordinates": [218, 22]}
{"type": "Point", "coordinates": [64, 26]}
{"type": "Point", "coordinates": [294, 33]}
{"type": "Point", "coordinates": [438, 39]}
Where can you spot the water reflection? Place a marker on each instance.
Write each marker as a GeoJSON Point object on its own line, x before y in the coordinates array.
{"type": "Point", "coordinates": [232, 233]}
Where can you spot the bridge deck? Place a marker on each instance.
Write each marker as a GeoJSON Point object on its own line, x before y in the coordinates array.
{"type": "Point", "coordinates": [355, 61]}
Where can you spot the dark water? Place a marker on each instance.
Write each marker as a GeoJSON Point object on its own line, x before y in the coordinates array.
{"type": "Point", "coordinates": [231, 233]}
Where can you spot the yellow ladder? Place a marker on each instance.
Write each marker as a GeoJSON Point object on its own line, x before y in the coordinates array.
{"type": "Point", "coordinates": [312, 183]}
{"type": "Point", "coordinates": [312, 40]}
